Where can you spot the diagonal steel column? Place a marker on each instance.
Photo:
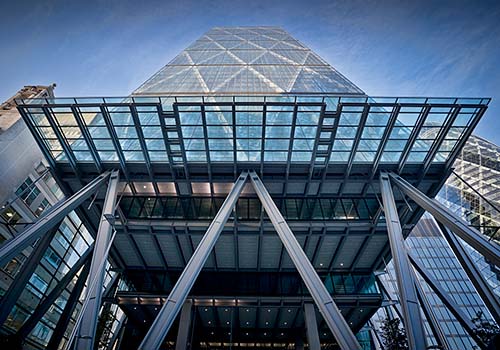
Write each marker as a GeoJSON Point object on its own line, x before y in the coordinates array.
{"type": "Point", "coordinates": [437, 331]}
{"type": "Point", "coordinates": [18, 285]}
{"type": "Point", "coordinates": [319, 293]}
{"type": "Point", "coordinates": [86, 333]}
{"type": "Point", "coordinates": [311, 327]}
{"type": "Point", "coordinates": [476, 277]}
{"type": "Point", "coordinates": [15, 245]}
{"type": "Point", "coordinates": [175, 300]}
{"type": "Point", "coordinates": [181, 342]}
{"type": "Point", "coordinates": [447, 300]}
{"type": "Point", "coordinates": [118, 333]}
{"type": "Point", "coordinates": [44, 306]}
{"type": "Point", "coordinates": [64, 319]}
{"type": "Point", "coordinates": [412, 318]}
{"type": "Point", "coordinates": [473, 237]}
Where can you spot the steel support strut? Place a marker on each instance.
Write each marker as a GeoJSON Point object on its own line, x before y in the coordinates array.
{"type": "Point", "coordinates": [311, 327]}
{"type": "Point", "coordinates": [64, 319]}
{"type": "Point", "coordinates": [175, 300]}
{"type": "Point", "coordinates": [334, 319]}
{"type": "Point", "coordinates": [473, 237]}
{"type": "Point", "coordinates": [412, 318]}
{"type": "Point", "coordinates": [447, 300]}
{"type": "Point", "coordinates": [483, 288]}
{"type": "Point", "coordinates": [49, 300]}
{"type": "Point", "coordinates": [184, 326]}
{"type": "Point", "coordinates": [21, 279]}
{"type": "Point", "coordinates": [436, 329]}
{"type": "Point", "coordinates": [15, 245]}
{"type": "Point", "coordinates": [86, 333]}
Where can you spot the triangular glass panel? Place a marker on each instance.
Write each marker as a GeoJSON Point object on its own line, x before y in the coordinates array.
{"type": "Point", "coordinates": [297, 56]}
{"type": "Point", "coordinates": [281, 76]}
{"type": "Point", "coordinates": [316, 79]}
{"type": "Point", "coordinates": [223, 58]}
{"type": "Point", "coordinates": [192, 82]}
{"type": "Point", "coordinates": [200, 56]}
{"type": "Point", "coordinates": [204, 45]}
{"type": "Point", "coordinates": [215, 76]}
{"type": "Point", "coordinates": [181, 59]}
{"type": "Point", "coordinates": [229, 44]}
{"type": "Point", "coordinates": [269, 58]}
{"type": "Point", "coordinates": [314, 60]}
{"type": "Point", "coordinates": [247, 56]}
{"type": "Point", "coordinates": [264, 44]}
{"type": "Point", "coordinates": [246, 46]}
{"type": "Point", "coordinates": [284, 46]}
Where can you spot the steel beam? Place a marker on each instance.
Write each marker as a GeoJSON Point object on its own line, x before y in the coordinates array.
{"type": "Point", "coordinates": [311, 327]}
{"type": "Point", "coordinates": [118, 334]}
{"type": "Point", "coordinates": [412, 318]}
{"type": "Point", "coordinates": [49, 300]}
{"type": "Point", "coordinates": [184, 326]}
{"type": "Point", "coordinates": [64, 319]}
{"type": "Point", "coordinates": [86, 333]}
{"type": "Point", "coordinates": [447, 300]}
{"type": "Point", "coordinates": [175, 300]}
{"type": "Point", "coordinates": [21, 279]}
{"type": "Point", "coordinates": [15, 245]}
{"type": "Point", "coordinates": [473, 237]}
{"type": "Point", "coordinates": [490, 299]}
{"type": "Point", "coordinates": [334, 319]}
{"type": "Point", "coordinates": [437, 331]}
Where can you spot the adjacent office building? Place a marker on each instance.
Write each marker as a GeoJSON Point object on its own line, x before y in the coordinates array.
{"type": "Point", "coordinates": [471, 192]}
{"type": "Point", "coordinates": [244, 197]}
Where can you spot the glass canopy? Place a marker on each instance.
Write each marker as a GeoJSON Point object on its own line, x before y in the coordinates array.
{"type": "Point", "coordinates": [316, 130]}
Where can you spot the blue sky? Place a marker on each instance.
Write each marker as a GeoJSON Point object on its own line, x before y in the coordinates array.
{"type": "Point", "coordinates": [392, 48]}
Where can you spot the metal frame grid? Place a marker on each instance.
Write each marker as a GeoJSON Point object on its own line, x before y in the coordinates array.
{"type": "Point", "coordinates": [181, 132]}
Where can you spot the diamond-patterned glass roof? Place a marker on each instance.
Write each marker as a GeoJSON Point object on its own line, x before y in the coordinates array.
{"type": "Point", "coordinates": [241, 60]}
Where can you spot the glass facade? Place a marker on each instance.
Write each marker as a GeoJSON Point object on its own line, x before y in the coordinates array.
{"type": "Point", "coordinates": [246, 60]}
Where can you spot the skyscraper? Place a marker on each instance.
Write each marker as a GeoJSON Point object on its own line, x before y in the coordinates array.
{"type": "Point", "coordinates": [246, 183]}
